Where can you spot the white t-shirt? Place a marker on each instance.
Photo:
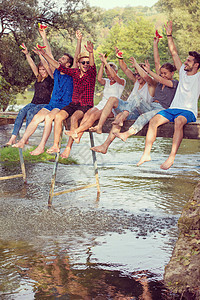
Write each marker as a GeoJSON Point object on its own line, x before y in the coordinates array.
{"type": "Point", "coordinates": [144, 92]}
{"type": "Point", "coordinates": [188, 91]}
{"type": "Point", "coordinates": [110, 90]}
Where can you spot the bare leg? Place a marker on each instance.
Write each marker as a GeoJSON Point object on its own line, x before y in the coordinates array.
{"type": "Point", "coordinates": [68, 148]}
{"type": "Point", "coordinates": [38, 118]}
{"type": "Point", "coordinates": [104, 147]}
{"type": "Point", "coordinates": [111, 103]}
{"type": "Point", "coordinates": [179, 122]}
{"type": "Point", "coordinates": [59, 118]}
{"type": "Point", "coordinates": [89, 118]}
{"type": "Point", "coordinates": [46, 133]}
{"type": "Point", "coordinates": [120, 118]}
{"type": "Point", "coordinates": [124, 135]}
{"type": "Point", "coordinates": [156, 121]}
{"type": "Point", "coordinates": [74, 124]}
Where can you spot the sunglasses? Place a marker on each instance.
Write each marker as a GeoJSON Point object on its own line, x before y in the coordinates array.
{"type": "Point", "coordinates": [85, 62]}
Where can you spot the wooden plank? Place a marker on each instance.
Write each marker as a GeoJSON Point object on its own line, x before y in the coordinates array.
{"type": "Point", "coordinates": [7, 121]}
{"type": "Point", "coordinates": [190, 131]}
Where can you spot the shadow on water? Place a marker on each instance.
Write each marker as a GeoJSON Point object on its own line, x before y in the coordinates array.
{"type": "Point", "coordinates": [114, 248]}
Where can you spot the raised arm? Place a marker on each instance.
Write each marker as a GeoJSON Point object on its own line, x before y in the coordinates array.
{"type": "Point", "coordinates": [89, 47]}
{"type": "Point", "coordinates": [142, 72]}
{"type": "Point", "coordinates": [112, 72]}
{"type": "Point", "coordinates": [50, 68]}
{"type": "Point", "coordinates": [44, 62]}
{"type": "Point", "coordinates": [100, 78]}
{"type": "Point", "coordinates": [157, 77]}
{"type": "Point", "coordinates": [78, 48]}
{"type": "Point", "coordinates": [125, 68]}
{"type": "Point", "coordinates": [30, 61]}
{"type": "Point", "coordinates": [172, 47]}
{"type": "Point", "coordinates": [156, 55]}
{"type": "Point", "coordinates": [50, 60]}
{"type": "Point", "coordinates": [45, 42]}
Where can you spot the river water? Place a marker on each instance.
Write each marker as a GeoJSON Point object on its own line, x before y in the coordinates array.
{"type": "Point", "coordinates": [112, 247]}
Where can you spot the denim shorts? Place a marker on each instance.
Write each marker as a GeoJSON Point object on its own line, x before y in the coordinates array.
{"type": "Point", "coordinates": [172, 113]}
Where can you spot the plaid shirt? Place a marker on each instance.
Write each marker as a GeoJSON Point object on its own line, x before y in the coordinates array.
{"type": "Point", "coordinates": [83, 90]}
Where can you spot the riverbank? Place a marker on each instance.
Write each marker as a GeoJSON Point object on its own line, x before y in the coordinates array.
{"type": "Point", "coordinates": [182, 273]}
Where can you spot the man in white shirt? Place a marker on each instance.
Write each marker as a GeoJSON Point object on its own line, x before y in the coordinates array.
{"type": "Point", "coordinates": [183, 108]}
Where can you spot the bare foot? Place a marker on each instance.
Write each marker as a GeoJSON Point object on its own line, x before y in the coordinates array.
{"type": "Point", "coordinates": [74, 135]}
{"type": "Point", "coordinates": [66, 152]}
{"type": "Point", "coordinates": [96, 129]}
{"type": "Point", "coordinates": [168, 163]}
{"type": "Point", "coordinates": [118, 122]}
{"type": "Point", "coordinates": [122, 135]}
{"type": "Point", "coordinates": [11, 141]}
{"type": "Point", "coordinates": [53, 149]}
{"type": "Point", "coordinates": [101, 149]}
{"type": "Point", "coordinates": [39, 150]}
{"type": "Point", "coordinates": [143, 159]}
{"type": "Point", "coordinates": [20, 144]}
{"type": "Point", "coordinates": [71, 133]}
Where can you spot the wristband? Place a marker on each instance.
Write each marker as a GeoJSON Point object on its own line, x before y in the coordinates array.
{"type": "Point", "coordinates": [169, 34]}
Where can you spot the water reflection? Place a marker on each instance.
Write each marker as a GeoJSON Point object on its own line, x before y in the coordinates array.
{"type": "Point", "coordinates": [54, 277]}
{"type": "Point", "coordinates": [115, 248]}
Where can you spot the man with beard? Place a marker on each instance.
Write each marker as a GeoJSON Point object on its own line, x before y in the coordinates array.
{"type": "Point", "coordinates": [183, 108]}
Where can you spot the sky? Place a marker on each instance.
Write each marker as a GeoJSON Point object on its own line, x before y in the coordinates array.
{"type": "Point", "coordinates": [108, 4]}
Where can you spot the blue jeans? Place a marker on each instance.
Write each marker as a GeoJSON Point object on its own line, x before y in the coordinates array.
{"type": "Point", "coordinates": [146, 111]}
{"type": "Point", "coordinates": [27, 112]}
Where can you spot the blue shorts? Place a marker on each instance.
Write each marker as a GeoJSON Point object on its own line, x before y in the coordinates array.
{"type": "Point", "coordinates": [172, 113]}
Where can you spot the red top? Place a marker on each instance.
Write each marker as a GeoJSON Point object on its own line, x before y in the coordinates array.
{"type": "Point", "coordinates": [83, 87]}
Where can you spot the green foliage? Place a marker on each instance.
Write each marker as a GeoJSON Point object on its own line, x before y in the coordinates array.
{"type": "Point", "coordinates": [186, 27]}
{"type": "Point", "coordinates": [6, 96]}
{"type": "Point", "coordinates": [134, 39]}
{"type": "Point", "coordinates": [19, 23]}
{"type": "Point", "coordinates": [9, 154]}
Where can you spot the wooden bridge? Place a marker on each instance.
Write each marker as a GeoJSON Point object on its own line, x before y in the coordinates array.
{"type": "Point", "coordinates": [191, 130]}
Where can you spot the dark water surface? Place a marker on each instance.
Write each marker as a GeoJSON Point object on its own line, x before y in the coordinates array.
{"type": "Point", "coordinates": [114, 247]}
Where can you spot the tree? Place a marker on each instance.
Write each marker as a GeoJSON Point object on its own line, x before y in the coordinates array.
{"type": "Point", "coordinates": [19, 23]}
{"type": "Point", "coordinates": [186, 27]}
{"type": "Point", "coordinates": [133, 39]}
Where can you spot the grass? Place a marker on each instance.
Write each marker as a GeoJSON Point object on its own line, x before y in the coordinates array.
{"type": "Point", "coordinates": [25, 98]}
{"type": "Point", "coordinates": [9, 154]}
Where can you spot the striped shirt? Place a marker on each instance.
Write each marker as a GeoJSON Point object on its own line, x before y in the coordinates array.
{"type": "Point", "coordinates": [83, 90]}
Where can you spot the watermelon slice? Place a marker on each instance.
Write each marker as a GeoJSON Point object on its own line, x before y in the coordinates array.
{"type": "Point", "coordinates": [40, 47]}
{"type": "Point", "coordinates": [158, 35]}
{"type": "Point", "coordinates": [119, 55]}
{"type": "Point", "coordinates": [22, 46]}
{"type": "Point", "coordinates": [107, 53]}
{"type": "Point", "coordinates": [42, 27]}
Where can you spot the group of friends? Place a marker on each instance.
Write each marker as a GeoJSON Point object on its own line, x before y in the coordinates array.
{"type": "Point", "coordinates": [65, 89]}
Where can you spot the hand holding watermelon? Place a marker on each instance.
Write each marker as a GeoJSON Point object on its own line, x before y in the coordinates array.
{"type": "Point", "coordinates": [158, 36]}
{"type": "Point", "coordinates": [118, 53]}
{"type": "Point", "coordinates": [23, 48]}
{"type": "Point", "coordinates": [103, 57]}
{"type": "Point", "coordinates": [42, 27]}
{"type": "Point", "coordinates": [40, 47]}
